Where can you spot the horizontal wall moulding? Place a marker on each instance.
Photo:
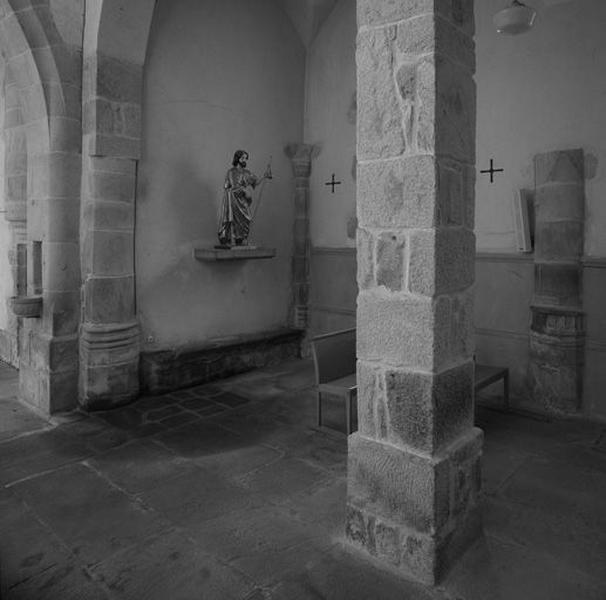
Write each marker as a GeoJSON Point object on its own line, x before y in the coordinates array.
{"type": "Point", "coordinates": [236, 253]}
{"type": "Point", "coordinates": [336, 250]}
{"type": "Point", "coordinates": [337, 310]}
{"type": "Point", "coordinates": [516, 335]}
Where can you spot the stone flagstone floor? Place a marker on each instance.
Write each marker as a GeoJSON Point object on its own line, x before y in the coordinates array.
{"type": "Point", "coordinates": [228, 491]}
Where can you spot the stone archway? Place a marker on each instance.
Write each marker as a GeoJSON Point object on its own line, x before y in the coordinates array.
{"type": "Point", "coordinates": [41, 45]}
{"type": "Point", "coordinates": [115, 44]}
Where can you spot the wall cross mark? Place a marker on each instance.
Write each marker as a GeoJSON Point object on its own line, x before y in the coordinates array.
{"type": "Point", "coordinates": [492, 171]}
{"type": "Point", "coordinates": [333, 183]}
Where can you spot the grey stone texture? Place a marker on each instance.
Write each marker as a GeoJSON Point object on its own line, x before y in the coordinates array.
{"type": "Point", "coordinates": [301, 160]}
{"type": "Point", "coordinates": [167, 370]}
{"type": "Point", "coordinates": [87, 494]}
{"type": "Point", "coordinates": [557, 354]}
{"type": "Point", "coordinates": [407, 509]}
{"type": "Point", "coordinates": [441, 261]}
{"type": "Point", "coordinates": [412, 490]}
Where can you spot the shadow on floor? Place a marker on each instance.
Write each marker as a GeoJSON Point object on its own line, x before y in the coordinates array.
{"type": "Point", "coordinates": [229, 491]}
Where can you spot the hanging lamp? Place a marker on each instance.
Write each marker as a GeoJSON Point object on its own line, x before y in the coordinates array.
{"type": "Point", "coordinates": [515, 19]}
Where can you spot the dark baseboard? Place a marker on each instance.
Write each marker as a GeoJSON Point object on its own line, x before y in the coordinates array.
{"type": "Point", "coordinates": [163, 371]}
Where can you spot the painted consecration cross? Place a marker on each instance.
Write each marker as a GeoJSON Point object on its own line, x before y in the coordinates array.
{"type": "Point", "coordinates": [492, 171]}
{"type": "Point", "coordinates": [333, 183]}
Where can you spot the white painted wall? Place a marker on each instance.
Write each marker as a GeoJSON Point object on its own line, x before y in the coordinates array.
{"type": "Point", "coordinates": [330, 123]}
{"type": "Point", "coordinates": [540, 91]}
{"type": "Point", "coordinates": [6, 283]}
{"type": "Point", "coordinates": [220, 75]}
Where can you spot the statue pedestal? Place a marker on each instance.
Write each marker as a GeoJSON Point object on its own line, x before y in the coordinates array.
{"type": "Point", "coordinates": [217, 254]}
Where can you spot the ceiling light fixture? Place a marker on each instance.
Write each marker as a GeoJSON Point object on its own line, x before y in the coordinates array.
{"type": "Point", "coordinates": [515, 19]}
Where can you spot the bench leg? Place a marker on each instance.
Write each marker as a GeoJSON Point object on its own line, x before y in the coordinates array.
{"type": "Point", "coordinates": [506, 389]}
{"type": "Point", "coordinates": [319, 409]}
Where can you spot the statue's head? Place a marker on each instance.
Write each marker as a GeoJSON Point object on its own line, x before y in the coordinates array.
{"type": "Point", "coordinates": [238, 155]}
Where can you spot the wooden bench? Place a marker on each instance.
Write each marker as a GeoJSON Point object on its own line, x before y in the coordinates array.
{"type": "Point", "coordinates": [334, 356]}
{"type": "Point", "coordinates": [485, 376]}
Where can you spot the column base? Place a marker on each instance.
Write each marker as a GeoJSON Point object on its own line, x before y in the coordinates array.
{"type": "Point", "coordinates": [109, 365]}
{"type": "Point", "coordinates": [48, 372]}
{"type": "Point", "coordinates": [416, 513]}
{"type": "Point", "coordinates": [557, 358]}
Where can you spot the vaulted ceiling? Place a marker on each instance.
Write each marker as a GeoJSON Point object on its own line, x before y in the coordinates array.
{"type": "Point", "coordinates": [308, 15]}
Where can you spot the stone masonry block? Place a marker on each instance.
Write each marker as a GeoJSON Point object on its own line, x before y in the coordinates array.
{"type": "Point", "coordinates": [113, 253]}
{"type": "Point", "coordinates": [109, 299]}
{"type": "Point", "coordinates": [109, 164]}
{"type": "Point", "coordinates": [380, 12]}
{"type": "Point", "coordinates": [116, 80]}
{"type": "Point", "coordinates": [455, 125]}
{"type": "Point", "coordinates": [61, 266]}
{"type": "Point", "coordinates": [391, 260]}
{"type": "Point", "coordinates": [107, 214]}
{"type": "Point", "coordinates": [372, 414]}
{"type": "Point", "coordinates": [380, 132]}
{"type": "Point", "coordinates": [100, 145]}
{"type": "Point", "coordinates": [441, 261]}
{"type": "Point", "coordinates": [61, 312]}
{"type": "Point", "coordinates": [59, 63]}
{"type": "Point", "coordinates": [560, 202]}
{"type": "Point", "coordinates": [394, 484]}
{"type": "Point", "coordinates": [428, 411]}
{"type": "Point", "coordinates": [53, 353]}
{"type": "Point", "coordinates": [119, 187]}
{"type": "Point", "coordinates": [562, 166]}
{"type": "Point", "coordinates": [455, 330]}
{"type": "Point", "coordinates": [112, 118]}
{"type": "Point", "coordinates": [425, 493]}
{"type": "Point", "coordinates": [561, 240]}
{"type": "Point", "coordinates": [396, 329]}
{"type": "Point", "coordinates": [456, 194]}
{"type": "Point", "coordinates": [558, 283]}
{"type": "Point", "coordinates": [397, 193]}
{"type": "Point", "coordinates": [366, 259]}
{"type": "Point", "coordinates": [56, 175]}
{"type": "Point", "coordinates": [61, 220]}
{"type": "Point", "coordinates": [107, 387]}
{"type": "Point", "coordinates": [65, 134]}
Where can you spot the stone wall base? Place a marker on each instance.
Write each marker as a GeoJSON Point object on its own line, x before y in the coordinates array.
{"type": "Point", "coordinates": [8, 348]}
{"type": "Point", "coordinates": [167, 370]}
{"type": "Point", "coordinates": [417, 513]}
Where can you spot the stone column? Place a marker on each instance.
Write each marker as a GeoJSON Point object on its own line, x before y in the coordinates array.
{"type": "Point", "coordinates": [557, 333]}
{"type": "Point", "coordinates": [300, 155]}
{"type": "Point", "coordinates": [15, 202]}
{"type": "Point", "coordinates": [109, 344]}
{"type": "Point", "coordinates": [414, 464]}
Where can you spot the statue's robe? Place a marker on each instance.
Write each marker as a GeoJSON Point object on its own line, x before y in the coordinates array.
{"type": "Point", "coordinates": [235, 219]}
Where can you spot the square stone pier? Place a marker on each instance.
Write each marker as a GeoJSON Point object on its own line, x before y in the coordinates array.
{"type": "Point", "coordinates": [414, 465]}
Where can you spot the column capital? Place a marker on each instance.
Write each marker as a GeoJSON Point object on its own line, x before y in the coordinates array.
{"type": "Point", "coordinates": [301, 156]}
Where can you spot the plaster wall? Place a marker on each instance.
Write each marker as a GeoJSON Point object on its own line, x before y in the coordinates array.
{"type": "Point", "coordinates": [537, 92]}
{"type": "Point", "coordinates": [6, 283]}
{"type": "Point", "coordinates": [220, 75]}
{"type": "Point", "coordinates": [330, 123]}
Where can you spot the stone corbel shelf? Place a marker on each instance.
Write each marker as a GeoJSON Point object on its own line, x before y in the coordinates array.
{"type": "Point", "coordinates": [219, 255]}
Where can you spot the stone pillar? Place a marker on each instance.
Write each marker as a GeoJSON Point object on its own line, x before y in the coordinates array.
{"type": "Point", "coordinates": [414, 464]}
{"type": "Point", "coordinates": [301, 155]}
{"type": "Point", "coordinates": [109, 344]}
{"type": "Point", "coordinates": [557, 333]}
{"type": "Point", "coordinates": [15, 202]}
{"type": "Point", "coordinates": [49, 89]}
